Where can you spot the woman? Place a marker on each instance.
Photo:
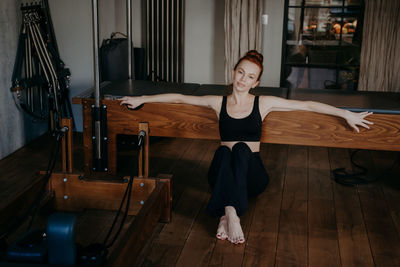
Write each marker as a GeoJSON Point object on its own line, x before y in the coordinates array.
{"type": "Point", "coordinates": [236, 171]}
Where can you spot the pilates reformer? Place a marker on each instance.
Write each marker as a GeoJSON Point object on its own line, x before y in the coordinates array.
{"type": "Point", "coordinates": [149, 199]}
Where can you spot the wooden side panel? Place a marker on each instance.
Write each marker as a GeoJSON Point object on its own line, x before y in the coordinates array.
{"type": "Point", "coordinates": [295, 127]}
{"type": "Point", "coordinates": [87, 135]}
{"type": "Point", "coordinates": [73, 194]}
{"type": "Point", "coordinates": [171, 120]}
{"type": "Point", "coordinates": [314, 129]}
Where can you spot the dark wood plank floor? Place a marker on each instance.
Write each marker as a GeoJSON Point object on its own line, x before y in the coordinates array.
{"type": "Point", "coordinates": [303, 218]}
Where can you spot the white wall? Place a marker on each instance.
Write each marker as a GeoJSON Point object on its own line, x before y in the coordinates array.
{"type": "Point", "coordinates": [72, 21]}
{"type": "Point", "coordinates": [138, 14]}
{"type": "Point", "coordinates": [73, 28]}
{"type": "Point", "coordinates": [272, 42]}
{"type": "Point", "coordinates": [204, 41]}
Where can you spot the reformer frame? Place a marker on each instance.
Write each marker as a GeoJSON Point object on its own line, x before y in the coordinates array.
{"type": "Point", "coordinates": [151, 198]}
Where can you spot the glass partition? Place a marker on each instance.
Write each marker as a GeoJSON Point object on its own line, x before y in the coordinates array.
{"type": "Point", "coordinates": [322, 42]}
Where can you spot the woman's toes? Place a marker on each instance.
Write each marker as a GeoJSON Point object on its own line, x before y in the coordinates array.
{"type": "Point", "coordinates": [221, 235]}
{"type": "Point", "coordinates": [222, 229]}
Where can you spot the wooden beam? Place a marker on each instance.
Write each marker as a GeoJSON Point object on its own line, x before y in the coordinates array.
{"type": "Point", "coordinates": [73, 193]}
{"type": "Point", "coordinates": [314, 129]}
{"type": "Point", "coordinates": [167, 211]}
{"type": "Point", "coordinates": [294, 127]}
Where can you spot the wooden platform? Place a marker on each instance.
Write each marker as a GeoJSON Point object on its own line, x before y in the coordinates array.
{"type": "Point", "coordinates": [303, 218]}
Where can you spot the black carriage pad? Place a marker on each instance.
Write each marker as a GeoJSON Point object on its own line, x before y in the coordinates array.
{"type": "Point", "coordinates": [377, 102]}
{"type": "Point", "coordinates": [217, 89]}
{"type": "Point", "coordinates": [118, 89]}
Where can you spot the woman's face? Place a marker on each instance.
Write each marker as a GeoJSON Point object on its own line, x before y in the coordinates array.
{"type": "Point", "coordinates": [245, 76]}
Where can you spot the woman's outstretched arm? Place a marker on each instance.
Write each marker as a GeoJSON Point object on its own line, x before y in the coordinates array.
{"type": "Point", "coordinates": [354, 119]}
{"type": "Point", "coordinates": [205, 101]}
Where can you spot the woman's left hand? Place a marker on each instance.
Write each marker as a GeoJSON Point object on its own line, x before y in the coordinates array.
{"type": "Point", "coordinates": [354, 119]}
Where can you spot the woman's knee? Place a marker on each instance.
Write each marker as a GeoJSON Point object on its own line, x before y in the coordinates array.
{"type": "Point", "coordinates": [241, 146]}
{"type": "Point", "coordinates": [223, 150]}
{"type": "Point", "coordinates": [241, 151]}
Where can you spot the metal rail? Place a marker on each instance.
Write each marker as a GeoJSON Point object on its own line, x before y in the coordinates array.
{"type": "Point", "coordinates": [96, 72]}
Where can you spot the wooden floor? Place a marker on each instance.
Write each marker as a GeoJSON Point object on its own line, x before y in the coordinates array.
{"type": "Point", "coordinates": [303, 218]}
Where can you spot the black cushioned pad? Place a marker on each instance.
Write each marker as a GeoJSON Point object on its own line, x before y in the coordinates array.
{"type": "Point", "coordinates": [214, 89]}
{"type": "Point", "coordinates": [378, 102]}
{"type": "Point", "coordinates": [118, 89]}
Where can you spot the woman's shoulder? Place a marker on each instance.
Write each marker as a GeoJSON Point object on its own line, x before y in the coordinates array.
{"type": "Point", "coordinates": [213, 97]}
{"type": "Point", "coordinates": [268, 103]}
{"type": "Point", "coordinates": [214, 101]}
{"type": "Point", "coordinates": [265, 99]}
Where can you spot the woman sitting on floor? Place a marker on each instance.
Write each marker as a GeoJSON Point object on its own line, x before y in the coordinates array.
{"type": "Point", "coordinates": [236, 171]}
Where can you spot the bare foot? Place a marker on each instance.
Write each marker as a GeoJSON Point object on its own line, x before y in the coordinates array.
{"type": "Point", "coordinates": [235, 232]}
{"type": "Point", "coordinates": [222, 228]}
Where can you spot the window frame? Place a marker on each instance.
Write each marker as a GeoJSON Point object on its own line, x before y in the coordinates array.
{"type": "Point", "coordinates": [337, 66]}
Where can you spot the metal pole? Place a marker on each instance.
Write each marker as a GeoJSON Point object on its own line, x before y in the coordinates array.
{"type": "Point", "coordinates": [96, 54]}
{"type": "Point", "coordinates": [129, 33]}
{"type": "Point", "coordinates": [96, 76]}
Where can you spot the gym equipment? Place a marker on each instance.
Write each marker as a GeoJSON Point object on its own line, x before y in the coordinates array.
{"type": "Point", "coordinates": [40, 80]}
{"type": "Point", "coordinates": [61, 238]}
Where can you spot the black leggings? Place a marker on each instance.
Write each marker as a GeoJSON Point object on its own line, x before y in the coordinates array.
{"type": "Point", "coordinates": [234, 176]}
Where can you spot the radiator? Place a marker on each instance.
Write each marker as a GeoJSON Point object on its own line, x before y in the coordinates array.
{"type": "Point", "coordinates": [164, 39]}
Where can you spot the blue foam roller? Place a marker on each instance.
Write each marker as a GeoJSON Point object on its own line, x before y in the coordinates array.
{"type": "Point", "coordinates": [61, 238]}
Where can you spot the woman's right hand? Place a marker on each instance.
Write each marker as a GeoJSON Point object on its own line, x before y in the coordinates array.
{"type": "Point", "coordinates": [131, 101]}
{"type": "Point", "coordinates": [355, 118]}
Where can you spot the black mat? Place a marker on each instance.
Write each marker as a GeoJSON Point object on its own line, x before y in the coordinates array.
{"type": "Point", "coordinates": [377, 102]}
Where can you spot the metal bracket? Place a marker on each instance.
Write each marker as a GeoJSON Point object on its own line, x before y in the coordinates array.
{"type": "Point", "coordinates": [99, 138]}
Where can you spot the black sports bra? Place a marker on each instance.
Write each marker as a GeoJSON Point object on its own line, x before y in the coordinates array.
{"type": "Point", "coordinates": [244, 129]}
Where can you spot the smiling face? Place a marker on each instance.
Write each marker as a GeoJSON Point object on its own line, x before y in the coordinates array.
{"type": "Point", "coordinates": [245, 76]}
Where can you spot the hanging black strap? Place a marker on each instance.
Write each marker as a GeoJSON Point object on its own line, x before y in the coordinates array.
{"type": "Point", "coordinates": [16, 76]}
